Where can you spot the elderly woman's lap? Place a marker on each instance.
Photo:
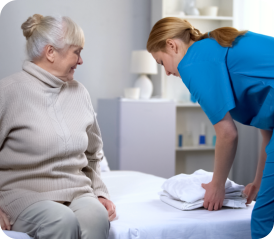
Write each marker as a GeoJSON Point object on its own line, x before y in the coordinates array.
{"type": "Point", "coordinates": [92, 217]}
{"type": "Point", "coordinates": [84, 218]}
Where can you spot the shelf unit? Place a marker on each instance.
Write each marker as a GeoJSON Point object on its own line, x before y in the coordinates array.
{"type": "Point", "coordinates": [188, 158]}
{"type": "Point", "coordinates": [218, 18]}
{"type": "Point", "coordinates": [189, 116]}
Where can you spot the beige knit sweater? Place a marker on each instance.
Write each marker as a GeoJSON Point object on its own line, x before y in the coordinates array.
{"type": "Point", "coordinates": [49, 141]}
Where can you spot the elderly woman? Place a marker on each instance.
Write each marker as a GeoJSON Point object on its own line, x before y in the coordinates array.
{"type": "Point", "coordinates": [50, 142]}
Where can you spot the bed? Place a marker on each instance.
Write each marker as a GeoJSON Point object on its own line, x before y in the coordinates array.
{"type": "Point", "coordinates": [142, 215]}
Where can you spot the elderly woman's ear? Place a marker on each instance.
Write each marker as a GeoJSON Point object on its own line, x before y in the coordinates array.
{"type": "Point", "coordinates": [50, 53]}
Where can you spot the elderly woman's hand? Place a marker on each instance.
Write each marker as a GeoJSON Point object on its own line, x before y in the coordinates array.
{"type": "Point", "coordinates": [4, 221]}
{"type": "Point", "coordinates": [111, 208]}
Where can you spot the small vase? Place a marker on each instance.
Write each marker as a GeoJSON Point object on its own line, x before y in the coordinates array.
{"type": "Point", "coordinates": [189, 7]}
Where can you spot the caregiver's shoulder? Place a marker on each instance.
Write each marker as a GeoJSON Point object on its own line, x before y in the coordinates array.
{"type": "Point", "coordinates": [207, 50]}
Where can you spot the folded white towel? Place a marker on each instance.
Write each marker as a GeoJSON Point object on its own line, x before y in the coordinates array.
{"type": "Point", "coordinates": [186, 192]}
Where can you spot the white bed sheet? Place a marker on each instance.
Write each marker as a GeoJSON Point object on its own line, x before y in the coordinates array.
{"type": "Point", "coordinates": [142, 215]}
{"type": "Point", "coordinates": [14, 235]}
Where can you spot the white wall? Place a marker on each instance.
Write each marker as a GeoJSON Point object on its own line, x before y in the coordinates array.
{"type": "Point", "coordinates": [113, 28]}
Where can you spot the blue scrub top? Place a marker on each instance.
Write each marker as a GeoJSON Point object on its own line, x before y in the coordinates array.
{"type": "Point", "coordinates": [238, 79]}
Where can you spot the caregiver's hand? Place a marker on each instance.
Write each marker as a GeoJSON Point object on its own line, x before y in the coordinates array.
{"type": "Point", "coordinates": [251, 191]}
{"type": "Point", "coordinates": [214, 196]}
{"type": "Point", "coordinates": [4, 221]}
{"type": "Point", "coordinates": [109, 205]}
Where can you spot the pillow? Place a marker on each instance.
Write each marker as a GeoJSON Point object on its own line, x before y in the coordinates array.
{"type": "Point", "coordinates": [104, 163]}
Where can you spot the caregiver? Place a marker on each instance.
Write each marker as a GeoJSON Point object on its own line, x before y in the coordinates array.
{"type": "Point", "coordinates": [231, 74]}
{"type": "Point", "coordinates": [50, 142]}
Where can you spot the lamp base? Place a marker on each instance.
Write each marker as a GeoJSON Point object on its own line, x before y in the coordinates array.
{"type": "Point", "coordinates": [145, 85]}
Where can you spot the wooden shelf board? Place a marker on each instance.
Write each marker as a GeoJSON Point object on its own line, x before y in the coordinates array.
{"type": "Point", "coordinates": [187, 105]}
{"type": "Point", "coordinates": [195, 148]}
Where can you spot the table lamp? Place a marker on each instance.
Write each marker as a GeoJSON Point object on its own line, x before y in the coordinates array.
{"type": "Point", "coordinates": [143, 63]}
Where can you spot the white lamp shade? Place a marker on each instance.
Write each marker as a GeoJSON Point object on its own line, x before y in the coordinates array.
{"type": "Point", "coordinates": [142, 62]}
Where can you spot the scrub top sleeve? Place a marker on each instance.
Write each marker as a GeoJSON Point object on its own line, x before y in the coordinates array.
{"type": "Point", "coordinates": [210, 85]}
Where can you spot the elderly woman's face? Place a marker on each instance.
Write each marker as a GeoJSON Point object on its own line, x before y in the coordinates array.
{"type": "Point", "coordinates": [67, 61]}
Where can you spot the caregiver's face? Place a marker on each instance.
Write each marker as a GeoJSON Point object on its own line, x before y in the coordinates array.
{"type": "Point", "coordinates": [168, 60]}
{"type": "Point", "coordinates": [174, 52]}
{"type": "Point", "coordinates": [67, 61]}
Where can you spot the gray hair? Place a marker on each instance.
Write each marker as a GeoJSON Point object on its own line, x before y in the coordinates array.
{"type": "Point", "coordinates": [58, 32]}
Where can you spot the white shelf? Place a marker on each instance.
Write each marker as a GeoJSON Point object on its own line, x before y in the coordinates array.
{"type": "Point", "coordinates": [218, 18]}
{"type": "Point", "coordinates": [151, 100]}
{"type": "Point", "coordinates": [188, 105]}
{"type": "Point", "coordinates": [195, 148]}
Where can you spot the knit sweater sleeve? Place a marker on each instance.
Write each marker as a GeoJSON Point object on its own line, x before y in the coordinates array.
{"type": "Point", "coordinates": [94, 155]}
{"type": "Point", "coordinates": [3, 130]}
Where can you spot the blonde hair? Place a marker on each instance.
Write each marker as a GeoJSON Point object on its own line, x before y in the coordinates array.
{"type": "Point", "coordinates": [56, 31]}
{"type": "Point", "coordinates": [172, 27]}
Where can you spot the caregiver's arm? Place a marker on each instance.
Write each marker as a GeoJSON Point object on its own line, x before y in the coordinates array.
{"type": "Point", "coordinates": [225, 150]}
{"type": "Point", "coordinates": [252, 189]}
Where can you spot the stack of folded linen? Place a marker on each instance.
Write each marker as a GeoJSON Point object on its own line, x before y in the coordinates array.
{"type": "Point", "coordinates": [185, 192]}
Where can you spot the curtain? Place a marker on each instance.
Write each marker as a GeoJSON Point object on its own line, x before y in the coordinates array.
{"type": "Point", "coordinates": [254, 15]}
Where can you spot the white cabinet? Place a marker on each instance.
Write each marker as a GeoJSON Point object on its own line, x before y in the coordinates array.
{"type": "Point", "coordinates": [139, 135]}
{"type": "Point", "coordinates": [189, 117]}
